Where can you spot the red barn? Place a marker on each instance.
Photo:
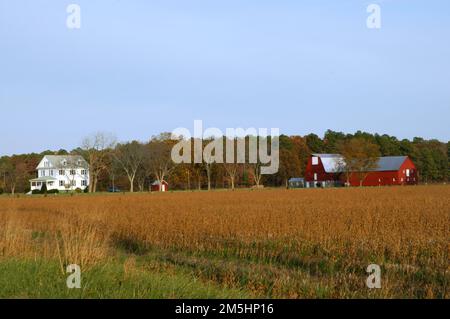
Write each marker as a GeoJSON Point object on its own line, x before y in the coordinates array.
{"type": "Point", "coordinates": [159, 187]}
{"type": "Point", "coordinates": [328, 170]}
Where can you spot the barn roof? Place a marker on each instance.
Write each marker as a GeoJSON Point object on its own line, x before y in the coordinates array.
{"type": "Point", "coordinates": [158, 183]}
{"type": "Point", "coordinates": [390, 163]}
{"type": "Point", "coordinates": [334, 163]}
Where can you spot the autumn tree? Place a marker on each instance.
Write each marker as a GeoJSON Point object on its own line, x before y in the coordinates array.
{"type": "Point", "coordinates": [290, 163]}
{"type": "Point", "coordinates": [14, 171]}
{"type": "Point", "coordinates": [448, 161]}
{"type": "Point", "coordinates": [4, 163]}
{"type": "Point", "coordinates": [360, 156]}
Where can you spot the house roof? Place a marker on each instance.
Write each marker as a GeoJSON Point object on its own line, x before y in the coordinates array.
{"type": "Point", "coordinates": [157, 183]}
{"type": "Point", "coordinates": [56, 161]}
{"type": "Point", "coordinates": [296, 179]}
{"type": "Point", "coordinates": [335, 163]}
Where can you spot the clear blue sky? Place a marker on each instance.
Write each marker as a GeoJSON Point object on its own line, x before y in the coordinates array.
{"type": "Point", "coordinates": [137, 68]}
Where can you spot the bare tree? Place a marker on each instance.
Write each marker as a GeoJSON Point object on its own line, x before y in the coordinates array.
{"type": "Point", "coordinates": [141, 179]}
{"type": "Point", "coordinates": [255, 172]}
{"type": "Point", "coordinates": [231, 164]}
{"type": "Point", "coordinates": [197, 170]}
{"type": "Point", "coordinates": [96, 149]}
{"type": "Point", "coordinates": [114, 169]}
{"type": "Point", "coordinates": [131, 157]}
{"type": "Point", "coordinates": [232, 171]}
{"type": "Point", "coordinates": [160, 162]}
{"type": "Point", "coordinates": [208, 165]}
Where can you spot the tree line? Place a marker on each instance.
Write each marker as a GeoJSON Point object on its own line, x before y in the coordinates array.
{"type": "Point", "coordinates": [134, 165]}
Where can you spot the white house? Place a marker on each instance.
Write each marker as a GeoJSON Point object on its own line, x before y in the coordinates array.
{"type": "Point", "coordinates": [62, 172]}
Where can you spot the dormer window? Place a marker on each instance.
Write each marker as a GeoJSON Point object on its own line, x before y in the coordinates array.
{"type": "Point", "coordinates": [64, 162]}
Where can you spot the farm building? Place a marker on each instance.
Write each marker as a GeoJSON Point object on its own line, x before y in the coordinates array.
{"type": "Point", "coordinates": [325, 170]}
{"type": "Point", "coordinates": [296, 182]}
{"type": "Point", "coordinates": [159, 187]}
{"type": "Point", "coordinates": [62, 173]}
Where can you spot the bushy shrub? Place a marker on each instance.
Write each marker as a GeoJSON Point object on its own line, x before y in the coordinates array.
{"type": "Point", "coordinates": [53, 191]}
{"type": "Point", "coordinates": [35, 191]}
{"type": "Point", "coordinates": [1, 191]}
{"type": "Point", "coordinates": [78, 190]}
{"type": "Point", "coordinates": [86, 190]}
{"type": "Point", "coordinates": [44, 188]}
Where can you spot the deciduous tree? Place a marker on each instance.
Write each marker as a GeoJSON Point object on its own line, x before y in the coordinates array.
{"type": "Point", "coordinates": [96, 149]}
{"type": "Point", "coordinates": [360, 156]}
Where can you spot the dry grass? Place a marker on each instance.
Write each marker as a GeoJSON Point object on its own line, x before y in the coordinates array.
{"type": "Point", "coordinates": [274, 243]}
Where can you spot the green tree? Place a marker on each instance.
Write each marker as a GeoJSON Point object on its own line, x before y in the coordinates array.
{"type": "Point", "coordinates": [315, 144]}
{"type": "Point", "coordinates": [331, 141]}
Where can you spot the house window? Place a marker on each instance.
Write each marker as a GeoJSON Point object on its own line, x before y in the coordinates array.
{"type": "Point", "coordinates": [61, 172]}
{"type": "Point", "coordinates": [84, 183]}
{"type": "Point", "coordinates": [74, 183]}
{"type": "Point", "coordinates": [61, 183]}
{"type": "Point", "coordinates": [315, 176]}
{"type": "Point", "coordinates": [315, 160]}
{"type": "Point", "coordinates": [72, 172]}
{"type": "Point", "coordinates": [51, 172]}
{"type": "Point", "coordinates": [407, 172]}
{"type": "Point", "coordinates": [83, 172]}
{"type": "Point", "coordinates": [33, 183]}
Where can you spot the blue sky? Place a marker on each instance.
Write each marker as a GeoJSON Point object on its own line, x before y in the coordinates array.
{"type": "Point", "coordinates": [137, 68]}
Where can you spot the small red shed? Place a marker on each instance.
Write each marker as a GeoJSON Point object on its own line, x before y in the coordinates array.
{"type": "Point", "coordinates": [159, 187]}
{"type": "Point", "coordinates": [328, 170]}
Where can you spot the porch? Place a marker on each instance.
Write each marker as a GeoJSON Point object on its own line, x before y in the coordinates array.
{"type": "Point", "coordinates": [37, 183]}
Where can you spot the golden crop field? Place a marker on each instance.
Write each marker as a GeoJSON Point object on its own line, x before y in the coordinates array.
{"type": "Point", "coordinates": [310, 243]}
